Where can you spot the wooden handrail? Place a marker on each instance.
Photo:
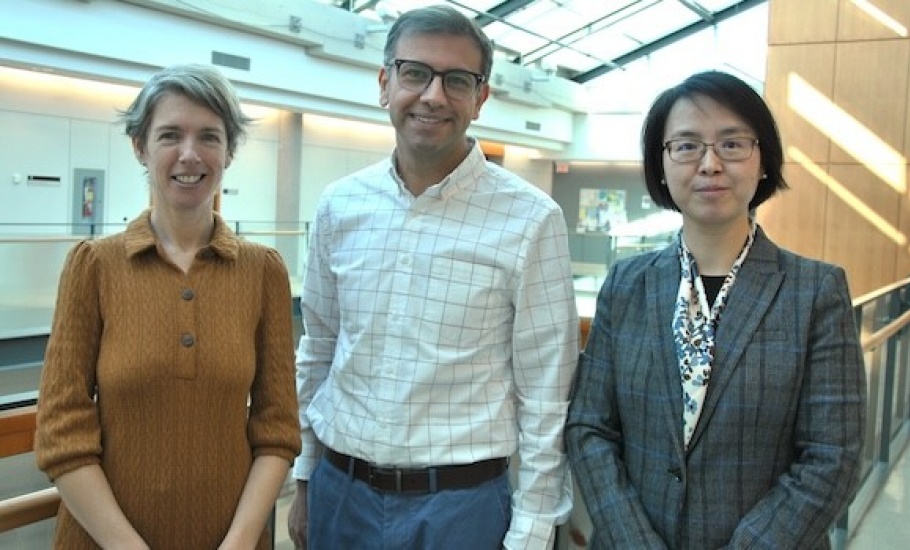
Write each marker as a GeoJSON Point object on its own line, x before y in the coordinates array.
{"type": "Point", "coordinates": [881, 336]}
{"type": "Point", "coordinates": [878, 293]}
{"type": "Point", "coordinates": [584, 327]}
{"type": "Point", "coordinates": [17, 431]}
{"type": "Point", "coordinates": [27, 509]}
{"type": "Point", "coordinates": [17, 435]}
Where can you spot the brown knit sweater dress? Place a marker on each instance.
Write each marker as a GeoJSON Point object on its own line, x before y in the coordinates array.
{"type": "Point", "coordinates": [149, 373]}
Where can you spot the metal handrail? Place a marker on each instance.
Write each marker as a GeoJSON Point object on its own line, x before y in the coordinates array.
{"type": "Point", "coordinates": [43, 238]}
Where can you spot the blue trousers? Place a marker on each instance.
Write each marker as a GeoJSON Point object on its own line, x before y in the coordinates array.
{"type": "Point", "coordinates": [347, 514]}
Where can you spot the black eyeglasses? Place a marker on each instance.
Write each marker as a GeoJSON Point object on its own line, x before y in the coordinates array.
{"type": "Point", "coordinates": [732, 149]}
{"type": "Point", "coordinates": [415, 76]}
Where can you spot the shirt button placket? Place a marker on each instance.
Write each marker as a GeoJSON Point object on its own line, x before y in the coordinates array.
{"type": "Point", "coordinates": [186, 356]}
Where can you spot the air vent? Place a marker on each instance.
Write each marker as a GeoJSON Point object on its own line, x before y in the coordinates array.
{"type": "Point", "coordinates": [532, 126]}
{"type": "Point", "coordinates": [44, 180]}
{"type": "Point", "coordinates": [232, 61]}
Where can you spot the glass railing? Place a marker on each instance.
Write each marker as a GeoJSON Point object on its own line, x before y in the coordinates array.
{"type": "Point", "coordinates": [646, 234]}
{"type": "Point", "coordinates": [883, 318]}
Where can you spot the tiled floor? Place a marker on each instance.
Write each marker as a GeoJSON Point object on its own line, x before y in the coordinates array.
{"type": "Point", "coordinates": [886, 526]}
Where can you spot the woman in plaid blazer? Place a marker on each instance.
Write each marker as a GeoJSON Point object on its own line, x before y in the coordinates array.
{"type": "Point", "coordinates": [720, 399]}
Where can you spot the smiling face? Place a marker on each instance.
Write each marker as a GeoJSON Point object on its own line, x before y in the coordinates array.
{"type": "Point", "coordinates": [430, 126]}
{"type": "Point", "coordinates": [710, 193]}
{"type": "Point", "coordinates": [185, 152]}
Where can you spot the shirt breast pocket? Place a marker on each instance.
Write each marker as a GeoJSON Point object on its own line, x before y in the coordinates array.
{"type": "Point", "coordinates": [464, 301]}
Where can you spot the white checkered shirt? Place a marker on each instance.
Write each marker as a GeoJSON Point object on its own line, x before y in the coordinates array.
{"type": "Point", "coordinates": [439, 328]}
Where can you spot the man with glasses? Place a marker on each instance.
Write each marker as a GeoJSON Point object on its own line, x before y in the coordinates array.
{"type": "Point", "coordinates": [441, 328]}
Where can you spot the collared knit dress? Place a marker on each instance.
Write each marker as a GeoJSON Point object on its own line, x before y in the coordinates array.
{"type": "Point", "coordinates": [172, 382]}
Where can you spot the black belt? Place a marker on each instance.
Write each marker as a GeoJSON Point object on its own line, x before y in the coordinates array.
{"type": "Point", "coordinates": [424, 480]}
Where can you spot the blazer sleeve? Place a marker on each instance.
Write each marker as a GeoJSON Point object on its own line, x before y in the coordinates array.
{"type": "Point", "coordinates": [828, 438]}
{"type": "Point", "coordinates": [595, 439]}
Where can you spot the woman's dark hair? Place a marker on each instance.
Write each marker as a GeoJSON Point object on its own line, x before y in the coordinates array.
{"type": "Point", "coordinates": [735, 95]}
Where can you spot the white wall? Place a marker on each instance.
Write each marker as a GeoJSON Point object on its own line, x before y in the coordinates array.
{"type": "Point", "coordinates": [528, 164]}
{"type": "Point", "coordinates": [607, 136]}
{"type": "Point", "coordinates": [319, 70]}
{"type": "Point", "coordinates": [333, 148]}
{"type": "Point", "coordinates": [251, 178]}
{"type": "Point", "coordinates": [34, 145]}
{"type": "Point", "coordinates": [51, 126]}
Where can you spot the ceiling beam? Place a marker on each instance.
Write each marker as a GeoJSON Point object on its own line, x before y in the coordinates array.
{"type": "Point", "coordinates": [500, 11]}
{"type": "Point", "coordinates": [512, 6]}
{"type": "Point", "coordinates": [667, 40]}
{"type": "Point", "coordinates": [351, 5]}
{"type": "Point", "coordinates": [699, 10]}
{"type": "Point", "coordinates": [573, 36]}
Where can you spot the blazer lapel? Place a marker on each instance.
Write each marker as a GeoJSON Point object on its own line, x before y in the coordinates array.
{"type": "Point", "coordinates": [752, 294]}
{"type": "Point", "coordinates": [662, 285]}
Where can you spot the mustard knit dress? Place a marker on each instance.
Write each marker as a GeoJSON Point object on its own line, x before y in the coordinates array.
{"type": "Point", "coordinates": [149, 372]}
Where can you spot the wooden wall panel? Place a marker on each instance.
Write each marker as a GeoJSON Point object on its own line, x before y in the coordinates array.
{"type": "Point", "coordinates": [857, 168]}
{"type": "Point", "coordinates": [902, 262]}
{"type": "Point", "coordinates": [795, 218]}
{"type": "Point", "coordinates": [792, 69]}
{"type": "Point", "coordinates": [870, 86]}
{"type": "Point", "coordinates": [802, 21]}
{"type": "Point", "coordinates": [878, 20]}
{"type": "Point", "coordinates": [864, 244]}
{"type": "Point", "coordinates": [907, 116]}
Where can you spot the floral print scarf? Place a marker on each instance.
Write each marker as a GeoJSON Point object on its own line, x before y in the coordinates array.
{"type": "Point", "coordinates": [694, 326]}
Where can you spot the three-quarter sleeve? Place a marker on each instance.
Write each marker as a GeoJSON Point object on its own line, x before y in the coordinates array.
{"type": "Point", "coordinates": [274, 428]}
{"type": "Point", "coordinates": [68, 432]}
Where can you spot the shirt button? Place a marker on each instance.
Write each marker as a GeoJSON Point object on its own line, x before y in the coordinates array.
{"type": "Point", "coordinates": [187, 294]}
{"type": "Point", "coordinates": [187, 340]}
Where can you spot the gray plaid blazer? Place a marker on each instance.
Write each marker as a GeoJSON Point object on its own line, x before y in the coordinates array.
{"type": "Point", "coordinates": [777, 451]}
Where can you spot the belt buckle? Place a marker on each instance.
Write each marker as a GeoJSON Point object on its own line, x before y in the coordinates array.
{"type": "Point", "coordinates": [376, 471]}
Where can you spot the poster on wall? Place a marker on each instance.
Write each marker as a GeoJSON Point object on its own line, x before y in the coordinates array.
{"type": "Point", "coordinates": [600, 210]}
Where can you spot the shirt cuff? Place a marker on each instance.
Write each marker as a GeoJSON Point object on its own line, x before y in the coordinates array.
{"type": "Point", "coordinates": [529, 533]}
{"type": "Point", "coordinates": [306, 461]}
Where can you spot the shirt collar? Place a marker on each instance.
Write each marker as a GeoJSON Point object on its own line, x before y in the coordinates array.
{"type": "Point", "coordinates": [140, 237]}
{"type": "Point", "coordinates": [464, 176]}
